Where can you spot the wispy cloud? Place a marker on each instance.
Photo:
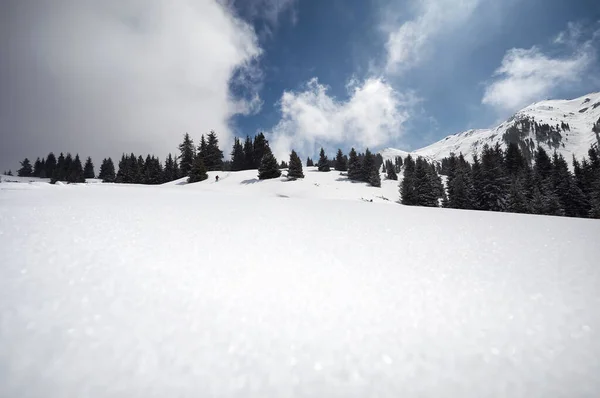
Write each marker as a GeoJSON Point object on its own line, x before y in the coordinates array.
{"type": "Point", "coordinates": [527, 75]}
{"type": "Point", "coordinates": [408, 43]}
{"type": "Point", "coordinates": [373, 115]}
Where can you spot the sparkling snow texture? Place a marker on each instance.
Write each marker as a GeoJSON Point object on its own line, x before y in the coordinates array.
{"type": "Point", "coordinates": [264, 289]}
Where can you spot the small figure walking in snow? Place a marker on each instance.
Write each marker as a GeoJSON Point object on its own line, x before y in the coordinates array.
{"type": "Point", "coordinates": [217, 179]}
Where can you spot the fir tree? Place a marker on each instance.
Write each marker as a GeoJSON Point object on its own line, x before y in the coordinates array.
{"type": "Point", "coordinates": [260, 148]}
{"type": "Point", "coordinates": [354, 166]}
{"type": "Point", "coordinates": [375, 178]}
{"type": "Point", "coordinates": [50, 165]}
{"type": "Point", "coordinates": [26, 169]}
{"type": "Point", "coordinates": [424, 186]}
{"type": "Point", "coordinates": [309, 162]}
{"type": "Point", "coordinates": [202, 149]}
{"type": "Point", "coordinates": [198, 172]}
{"type": "Point", "coordinates": [171, 171]}
{"type": "Point", "coordinates": [37, 168]}
{"type": "Point", "coordinates": [323, 164]}
{"type": "Point", "coordinates": [268, 167]}
{"type": "Point", "coordinates": [187, 155]}
{"type": "Point", "coordinates": [107, 171]}
{"type": "Point", "coordinates": [341, 163]}
{"type": "Point", "coordinates": [88, 169]}
{"type": "Point", "coordinates": [407, 186]}
{"type": "Point", "coordinates": [212, 155]}
{"type": "Point", "coordinates": [237, 156]}
{"type": "Point", "coordinates": [368, 165]}
{"type": "Point", "coordinates": [75, 173]}
{"type": "Point", "coordinates": [248, 154]}
{"type": "Point", "coordinates": [391, 171]}
{"type": "Point", "coordinates": [516, 201]}
{"type": "Point", "coordinates": [295, 167]}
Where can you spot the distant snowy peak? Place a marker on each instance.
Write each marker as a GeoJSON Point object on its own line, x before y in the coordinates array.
{"type": "Point", "coordinates": [568, 127]}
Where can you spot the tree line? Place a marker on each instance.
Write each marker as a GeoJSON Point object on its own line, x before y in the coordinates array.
{"type": "Point", "coordinates": [504, 180]}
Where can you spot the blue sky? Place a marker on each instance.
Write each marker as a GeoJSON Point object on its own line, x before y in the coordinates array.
{"type": "Point", "coordinates": [100, 78]}
{"type": "Point", "coordinates": [335, 41]}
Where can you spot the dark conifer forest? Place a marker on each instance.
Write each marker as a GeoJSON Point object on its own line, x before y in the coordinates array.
{"type": "Point", "coordinates": [497, 179]}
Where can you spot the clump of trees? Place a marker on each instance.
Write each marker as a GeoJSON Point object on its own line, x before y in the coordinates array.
{"type": "Point", "coordinates": [504, 180]}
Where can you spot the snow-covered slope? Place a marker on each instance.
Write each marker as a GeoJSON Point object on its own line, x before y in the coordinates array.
{"type": "Point", "coordinates": [244, 288]}
{"type": "Point", "coordinates": [564, 126]}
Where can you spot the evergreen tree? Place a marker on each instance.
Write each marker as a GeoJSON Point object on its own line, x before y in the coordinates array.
{"type": "Point", "coordinates": [407, 185]}
{"type": "Point", "coordinates": [248, 154]}
{"type": "Point", "coordinates": [202, 149]}
{"type": "Point", "coordinates": [10, 173]}
{"type": "Point", "coordinates": [37, 168]}
{"type": "Point", "coordinates": [341, 163]}
{"type": "Point", "coordinates": [391, 171]}
{"type": "Point", "coordinates": [354, 166]}
{"type": "Point", "coordinates": [309, 162]}
{"type": "Point", "coordinates": [198, 171]}
{"type": "Point", "coordinates": [368, 165]}
{"type": "Point", "coordinates": [171, 171]}
{"type": "Point", "coordinates": [237, 156]}
{"type": "Point", "coordinates": [424, 188]}
{"type": "Point", "coordinates": [26, 169]}
{"type": "Point", "coordinates": [268, 167]}
{"type": "Point", "coordinates": [187, 155]}
{"type": "Point", "coordinates": [514, 161]}
{"type": "Point", "coordinates": [516, 201]}
{"type": "Point", "coordinates": [260, 147]}
{"type": "Point", "coordinates": [59, 171]}
{"type": "Point", "coordinates": [375, 178]}
{"type": "Point", "coordinates": [107, 171]}
{"type": "Point", "coordinates": [50, 165]}
{"type": "Point", "coordinates": [492, 179]}
{"type": "Point", "coordinates": [323, 164]}
{"type": "Point", "coordinates": [212, 155]}
{"type": "Point", "coordinates": [88, 169]}
{"type": "Point", "coordinates": [75, 173]}
{"type": "Point", "coordinates": [283, 165]}
{"type": "Point", "coordinates": [295, 167]}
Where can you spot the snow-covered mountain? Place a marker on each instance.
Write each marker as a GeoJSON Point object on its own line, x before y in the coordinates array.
{"type": "Point", "coordinates": [568, 127]}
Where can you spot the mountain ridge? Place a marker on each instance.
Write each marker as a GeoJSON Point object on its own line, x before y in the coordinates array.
{"type": "Point", "coordinates": [568, 127]}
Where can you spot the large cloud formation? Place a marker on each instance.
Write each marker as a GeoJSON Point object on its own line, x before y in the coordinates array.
{"type": "Point", "coordinates": [100, 77]}
{"type": "Point", "coordinates": [372, 115]}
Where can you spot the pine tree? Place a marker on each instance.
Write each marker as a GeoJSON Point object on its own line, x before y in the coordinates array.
{"type": "Point", "coordinates": [368, 164]}
{"type": "Point", "coordinates": [237, 156]}
{"type": "Point", "coordinates": [268, 166]}
{"type": "Point", "coordinates": [516, 201]}
{"type": "Point", "coordinates": [187, 155]}
{"type": "Point", "coordinates": [323, 164]}
{"type": "Point", "coordinates": [107, 171]}
{"type": "Point", "coordinates": [295, 167]}
{"type": "Point", "coordinates": [10, 173]}
{"type": "Point", "coordinates": [59, 171]}
{"type": "Point", "coordinates": [391, 171]}
{"type": "Point", "coordinates": [283, 165]}
{"type": "Point", "coordinates": [354, 166]}
{"type": "Point", "coordinates": [170, 171]}
{"type": "Point", "coordinates": [309, 162]}
{"type": "Point", "coordinates": [248, 154]}
{"type": "Point", "coordinates": [212, 155]}
{"type": "Point", "coordinates": [375, 178]}
{"type": "Point", "coordinates": [37, 168]}
{"type": "Point", "coordinates": [26, 169]}
{"type": "Point", "coordinates": [424, 187]}
{"type": "Point", "coordinates": [88, 169]}
{"type": "Point", "coordinates": [341, 163]}
{"type": "Point", "coordinates": [260, 148]}
{"type": "Point", "coordinates": [50, 165]}
{"type": "Point", "coordinates": [202, 149]}
{"type": "Point", "coordinates": [198, 171]}
{"type": "Point", "coordinates": [407, 185]}
{"type": "Point", "coordinates": [75, 173]}
{"type": "Point", "coordinates": [492, 179]}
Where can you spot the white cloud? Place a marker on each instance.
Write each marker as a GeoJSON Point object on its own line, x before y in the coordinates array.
{"type": "Point", "coordinates": [408, 43]}
{"type": "Point", "coordinates": [528, 75]}
{"type": "Point", "coordinates": [372, 116]}
{"type": "Point", "coordinates": [101, 77]}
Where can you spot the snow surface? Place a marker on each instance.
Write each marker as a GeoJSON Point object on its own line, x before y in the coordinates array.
{"type": "Point", "coordinates": [289, 289]}
{"type": "Point", "coordinates": [580, 113]}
